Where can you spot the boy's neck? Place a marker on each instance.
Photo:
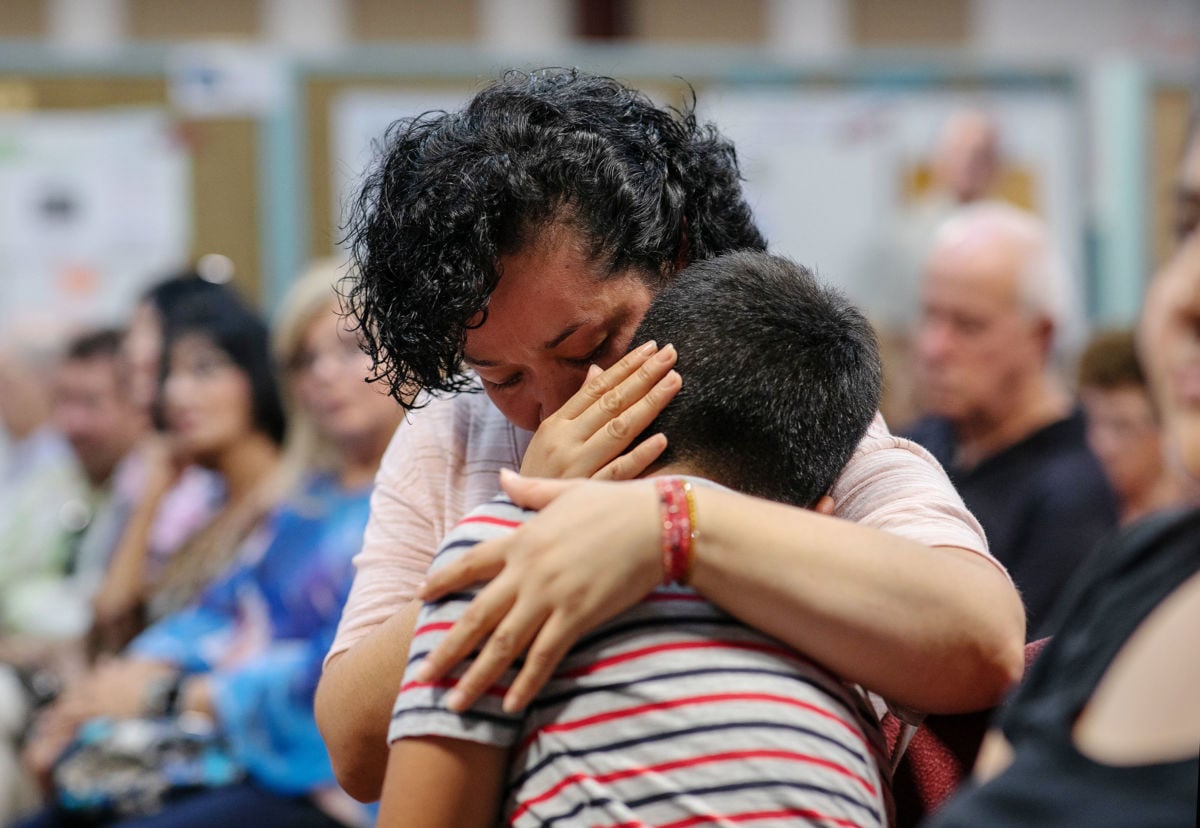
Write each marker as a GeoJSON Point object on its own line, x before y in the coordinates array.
{"type": "Point", "coordinates": [677, 468]}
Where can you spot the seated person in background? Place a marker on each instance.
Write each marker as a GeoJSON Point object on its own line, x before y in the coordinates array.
{"type": "Point", "coordinates": [93, 411]}
{"type": "Point", "coordinates": [1000, 420]}
{"type": "Point", "coordinates": [175, 497]}
{"type": "Point", "coordinates": [221, 410]}
{"type": "Point", "coordinates": [1123, 428]}
{"type": "Point", "coordinates": [1104, 729]}
{"type": "Point", "coordinates": [43, 490]}
{"type": "Point", "coordinates": [248, 652]}
{"type": "Point", "coordinates": [674, 710]}
{"type": "Point", "coordinates": [47, 611]}
{"type": "Point", "coordinates": [43, 506]}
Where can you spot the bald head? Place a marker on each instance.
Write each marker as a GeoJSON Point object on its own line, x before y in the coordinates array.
{"type": "Point", "coordinates": [967, 155]}
{"type": "Point", "coordinates": [992, 298]}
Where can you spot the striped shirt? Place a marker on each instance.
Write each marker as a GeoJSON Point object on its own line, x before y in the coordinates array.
{"type": "Point", "coordinates": [671, 714]}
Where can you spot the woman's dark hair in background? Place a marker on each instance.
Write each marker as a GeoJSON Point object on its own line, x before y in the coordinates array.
{"type": "Point", "coordinates": [644, 187]}
{"type": "Point", "coordinates": [781, 376]}
{"type": "Point", "coordinates": [220, 315]}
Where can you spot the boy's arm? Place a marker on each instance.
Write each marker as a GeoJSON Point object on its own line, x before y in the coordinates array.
{"type": "Point", "coordinates": [438, 782]}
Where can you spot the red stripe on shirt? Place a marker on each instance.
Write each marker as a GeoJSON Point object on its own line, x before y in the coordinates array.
{"type": "Point", "coordinates": [433, 626]}
{"type": "Point", "coordinates": [731, 756]}
{"type": "Point", "coordinates": [754, 816]}
{"type": "Point", "coordinates": [493, 521]}
{"type": "Point", "coordinates": [612, 715]}
{"type": "Point", "coordinates": [631, 655]}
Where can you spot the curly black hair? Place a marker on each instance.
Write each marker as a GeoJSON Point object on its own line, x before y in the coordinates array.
{"type": "Point", "coordinates": [647, 189]}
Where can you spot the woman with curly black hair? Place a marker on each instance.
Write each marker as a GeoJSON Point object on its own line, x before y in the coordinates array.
{"type": "Point", "coordinates": [523, 238]}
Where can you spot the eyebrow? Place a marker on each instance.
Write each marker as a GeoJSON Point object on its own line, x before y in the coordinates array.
{"type": "Point", "coordinates": [548, 345]}
{"type": "Point", "coordinates": [558, 340]}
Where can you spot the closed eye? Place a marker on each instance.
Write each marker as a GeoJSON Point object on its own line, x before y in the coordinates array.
{"type": "Point", "coordinates": [587, 359]}
{"type": "Point", "coordinates": [509, 382]}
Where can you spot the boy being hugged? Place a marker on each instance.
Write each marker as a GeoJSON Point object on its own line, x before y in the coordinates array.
{"type": "Point", "coordinates": [675, 713]}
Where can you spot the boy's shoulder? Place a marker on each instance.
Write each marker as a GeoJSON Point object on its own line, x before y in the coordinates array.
{"type": "Point", "coordinates": [495, 518]}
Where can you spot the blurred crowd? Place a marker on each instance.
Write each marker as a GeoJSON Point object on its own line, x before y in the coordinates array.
{"type": "Point", "coordinates": [180, 498]}
{"type": "Point", "coordinates": [181, 502]}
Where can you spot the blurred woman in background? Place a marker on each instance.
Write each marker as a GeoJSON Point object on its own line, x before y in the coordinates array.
{"type": "Point", "coordinates": [248, 652]}
{"type": "Point", "coordinates": [208, 478]}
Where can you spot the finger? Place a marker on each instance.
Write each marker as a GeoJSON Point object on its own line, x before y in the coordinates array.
{"type": "Point", "coordinates": [482, 562]}
{"type": "Point", "coordinates": [486, 610]}
{"type": "Point", "coordinates": [594, 371]}
{"type": "Point", "coordinates": [595, 387]}
{"type": "Point", "coordinates": [634, 462]}
{"type": "Point", "coordinates": [618, 432]}
{"type": "Point", "coordinates": [508, 641]}
{"type": "Point", "coordinates": [634, 389]}
{"type": "Point", "coordinates": [549, 649]}
{"type": "Point", "coordinates": [532, 492]}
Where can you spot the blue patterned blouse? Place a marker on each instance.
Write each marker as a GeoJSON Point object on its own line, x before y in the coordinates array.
{"type": "Point", "coordinates": [261, 632]}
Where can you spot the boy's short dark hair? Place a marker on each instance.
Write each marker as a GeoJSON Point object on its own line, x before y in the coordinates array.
{"type": "Point", "coordinates": [781, 375]}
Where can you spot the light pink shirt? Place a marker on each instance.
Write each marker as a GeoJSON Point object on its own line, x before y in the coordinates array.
{"type": "Point", "coordinates": [447, 461]}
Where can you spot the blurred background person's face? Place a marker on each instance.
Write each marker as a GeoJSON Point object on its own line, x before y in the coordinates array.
{"type": "Point", "coordinates": [206, 399]}
{"type": "Point", "coordinates": [967, 160]}
{"type": "Point", "coordinates": [1169, 333]}
{"type": "Point", "coordinates": [1124, 435]}
{"type": "Point", "coordinates": [100, 421]}
{"type": "Point", "coordinates": [975, 340]}
{"type": "Point", "coordinates": [329, 371]}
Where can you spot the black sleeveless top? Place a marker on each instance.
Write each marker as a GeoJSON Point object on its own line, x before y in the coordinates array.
{"type": "Point", "coordinates": [1050, 783]}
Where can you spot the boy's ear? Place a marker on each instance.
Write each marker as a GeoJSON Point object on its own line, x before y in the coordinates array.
{"type": "Point", "coordinates": [824, 505]}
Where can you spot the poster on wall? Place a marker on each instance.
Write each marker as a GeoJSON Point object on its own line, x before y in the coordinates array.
{"type": "Point", "coordinates": [93, 207]}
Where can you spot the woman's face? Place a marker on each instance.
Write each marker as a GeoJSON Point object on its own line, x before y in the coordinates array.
{"type": "Point", "coordinates": [1169, 332]}
{"type": "Point", "coordinates": [552, 314]}
{"type": "Point", "coordinates": [206, 399]}
{"type": "Point", "coordinates": [328, 371]}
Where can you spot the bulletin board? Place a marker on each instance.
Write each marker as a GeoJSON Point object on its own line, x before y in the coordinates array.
{"type": "Point", "coordinates": [222, 153]}
{"type": "Point", "coordinates": [93, 204]}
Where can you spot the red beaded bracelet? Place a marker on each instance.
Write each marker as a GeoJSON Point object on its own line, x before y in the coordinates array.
{"type": "Point", "coordinates": [677, 506]}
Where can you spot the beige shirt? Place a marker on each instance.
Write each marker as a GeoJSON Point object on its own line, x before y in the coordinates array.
{"type": "Point", "coordinates": [447, 461]}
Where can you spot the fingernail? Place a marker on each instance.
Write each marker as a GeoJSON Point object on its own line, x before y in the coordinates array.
{"type": "Point", "coordinates": [666, 354]}
{"type": "Point", "coordinates": [424, 672]}
{"type": "Point", "coordinates": [648, 347]}
{"type": "Point", "coordinates": [421, 588]}
{"type": "Point", "coordinates": [511, 704]}
{"type": "Point", "coordinates": [454, 700]}
{"type": "Point", "coordinates": [508, 474]}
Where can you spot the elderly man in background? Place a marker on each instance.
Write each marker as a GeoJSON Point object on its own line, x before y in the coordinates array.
{"type": "Point", "coordinates": [995, 297]}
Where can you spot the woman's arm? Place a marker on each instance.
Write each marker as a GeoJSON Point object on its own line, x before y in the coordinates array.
{"type": "Point", "coordinates": [354, 703]}
{"type": "Point", "coordinates": [934, 628]}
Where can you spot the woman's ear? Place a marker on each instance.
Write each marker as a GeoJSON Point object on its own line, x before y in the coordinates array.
{"type": "Point", "coordinates": [825, 505]}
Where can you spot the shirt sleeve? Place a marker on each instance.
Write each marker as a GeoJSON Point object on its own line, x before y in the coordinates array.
{"type": "Point", "coordinates": [420, 708]}
{"type": "Point", "coordinates": [894, 485]}
{"type": "Point", "coordinates": [401, 534]}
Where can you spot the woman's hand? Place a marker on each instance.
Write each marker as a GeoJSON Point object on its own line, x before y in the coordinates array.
{"type": "Point", "coordinates": [567, 570]}
{"type": "Point", "coordinates": [115, 687]}
{"type": "Point", "coordinates": [588, 435]}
